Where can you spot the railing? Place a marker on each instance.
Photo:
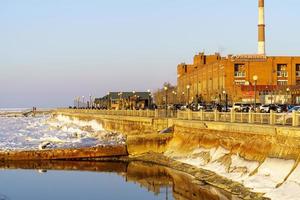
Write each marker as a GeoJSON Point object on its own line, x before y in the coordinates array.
{"type": "Point", "coordinates": [133, 113]}
{"type": "Point", "coordinates": [272, 118]}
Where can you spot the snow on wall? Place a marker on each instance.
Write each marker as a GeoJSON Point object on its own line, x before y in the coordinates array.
{"type": "Point", "coordinates": [261, 178]}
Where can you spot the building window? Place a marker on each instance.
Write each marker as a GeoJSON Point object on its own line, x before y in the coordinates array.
{"type": "Point", "coordinates": [282, 82]}
{"type": "Point", "coordinates": [239, 70]}
{"type": "Point", "coordinates": [282, 70]}
{"type": "Point", "coordinates": [298, 70]}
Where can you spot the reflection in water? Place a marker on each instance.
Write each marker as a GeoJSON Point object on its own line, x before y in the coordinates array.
{"type": "Point", "coordinates": [161, 181]}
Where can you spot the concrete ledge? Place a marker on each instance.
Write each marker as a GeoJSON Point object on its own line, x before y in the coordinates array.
{"type": "Point", "coordinates": [65, 154]}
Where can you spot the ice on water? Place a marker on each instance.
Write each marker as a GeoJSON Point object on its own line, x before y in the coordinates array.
{"type": "Point", "coordinates": [29, 133]}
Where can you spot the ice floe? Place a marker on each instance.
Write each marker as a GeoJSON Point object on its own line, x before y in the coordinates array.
{"type": "Point", "coordinates": [44, 132]}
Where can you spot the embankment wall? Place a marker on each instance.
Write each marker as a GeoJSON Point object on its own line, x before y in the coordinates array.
{"type": "Point", "coordinates": [250, 141]}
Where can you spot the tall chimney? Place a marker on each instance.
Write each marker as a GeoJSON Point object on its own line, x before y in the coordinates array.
{"type": "Point", "coordinates": [261, 27]}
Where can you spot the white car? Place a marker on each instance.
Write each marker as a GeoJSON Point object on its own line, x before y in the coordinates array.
{"type": "Point", "coordinates": [264, 108]}
{"type": "Point", "coordinates": [237, 107]}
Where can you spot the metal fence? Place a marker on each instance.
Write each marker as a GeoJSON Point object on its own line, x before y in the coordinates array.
{"type": "Point", "coordinates": [272, 118]}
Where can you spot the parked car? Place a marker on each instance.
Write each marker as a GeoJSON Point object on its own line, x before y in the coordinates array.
{"type": "Point", "coordinates": [295, 108]}
{"type": "Point", "coordinates": [287, 117]}
{"type": "Point", "coordinates": [229, 108]}
{"type": "Point", "coordinates": [237, 107]}
{"type": "Point", "coordinates": [209, 108]}
{"type": "Point", "coordinates": [268, 107]}
{"type": "Point", "coordinates": [246, 107]}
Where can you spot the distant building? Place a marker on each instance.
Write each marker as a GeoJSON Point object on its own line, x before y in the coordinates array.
{"type": "Point", "coordinates": [210, 77]}
{"type": "Point", "coordinates": [124, 100]}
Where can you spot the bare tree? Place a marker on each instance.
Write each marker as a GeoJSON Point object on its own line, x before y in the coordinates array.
{"type": "Point", "coordinates": [167, 92]}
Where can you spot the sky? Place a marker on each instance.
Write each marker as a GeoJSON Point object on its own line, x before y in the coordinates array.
{"type": "Point", "coordinates": [54, 50]}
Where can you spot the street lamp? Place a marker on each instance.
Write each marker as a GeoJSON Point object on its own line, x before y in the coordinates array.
{"type": "Point", "coordinates": [247, 83]}
{"type": "Point", "coordinates": [133, 104]}
{"type": "Point", "coordinates": [166, 99]}
{"type": "Point", "coordinates": [108, 100]}
{"type": "Point", "coordinates": [174, 96]}
{"type": "Point", "coordinates": [287, 94]}
{"type": "Point", "coordinates": [120, 101]}
{"type": "Point", "coordinates": [149, 94]}
{"type": "Point", "coordinates": [226, 100]}
{"type": "Point", "coordinates": [188, 94]}
{"type": "Point", "coordinates": [255, 78]}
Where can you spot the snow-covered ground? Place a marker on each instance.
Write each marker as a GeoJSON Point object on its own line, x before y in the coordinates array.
{"type": "Point", "coordinates": [269, 174]}
{"type": "Point", "coordinates": [29, 133]}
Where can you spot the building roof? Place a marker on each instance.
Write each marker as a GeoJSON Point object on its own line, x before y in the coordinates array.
{"type": "Point", "coordinates": [126, 95]}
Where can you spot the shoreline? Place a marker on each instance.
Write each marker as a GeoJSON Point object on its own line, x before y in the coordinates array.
{"type": "Point", "coordinates": [187, 139]}
{"type": "Point", "coordinates": [98, 163]}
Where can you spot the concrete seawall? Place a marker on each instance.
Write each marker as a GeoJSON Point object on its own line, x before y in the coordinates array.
{"type": "Point", "coordinates": [253, 142]}
{"type": "Point", "coordinates": [262, 157]}
{"type": "Point", "coordinates": [128, 125]}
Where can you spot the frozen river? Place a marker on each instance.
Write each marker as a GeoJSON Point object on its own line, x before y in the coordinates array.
{"type": "Point", "coordinates": [30, 133]}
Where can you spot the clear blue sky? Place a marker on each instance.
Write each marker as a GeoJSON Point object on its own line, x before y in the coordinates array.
{"type": "Point", "coordinates": [54, 50]}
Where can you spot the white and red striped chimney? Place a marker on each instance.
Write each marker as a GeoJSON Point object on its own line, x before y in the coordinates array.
{"type": "Point", "coordinates": [261, 28]}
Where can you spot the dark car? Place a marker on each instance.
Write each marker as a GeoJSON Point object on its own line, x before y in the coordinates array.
{"type": "Point", "coordinates": [245, 107]}
{"type": "Point", "coordinates": [269, 107]}
{"type": "Point", "coordinates": [209, 108]}
{"type": "Point", "coordinates": [282, 108]}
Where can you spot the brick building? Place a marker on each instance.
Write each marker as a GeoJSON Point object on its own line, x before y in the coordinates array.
{"type": "Point", "coordinates": [210, 77]}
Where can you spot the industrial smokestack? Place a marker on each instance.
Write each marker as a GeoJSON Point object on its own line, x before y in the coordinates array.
{"type": "Point", "coordinates": [261, 27]}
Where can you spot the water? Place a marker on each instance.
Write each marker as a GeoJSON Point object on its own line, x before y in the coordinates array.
{"type": "Point", "coordinates": [64, 180]}
{"type": "Point", "coordinates": [61, 185]}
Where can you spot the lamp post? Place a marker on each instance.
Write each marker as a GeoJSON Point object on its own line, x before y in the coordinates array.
{"type": "Point", "coordinates": [174, 96]}
{"type": "Point", "coordinates": [247, 83]}
{"type": "Point", "coordinates": [287, 95]}
{"type": "Point", "coordinates": [166, 100]}
{"type": "Point", "coordinates": [134, 97]}
{"type": "Point", "coordinates": [108, 99]}
{"type": "Point", "coordinates": [188, 94]}
{"type": "Point", "coordinates": [120, 101]}
{"type": "Point", "coordinates": [149, 93]}
{"type": "Point", "coordinates": [226, 100]}
{"type": "Point", "coordinates": [255, 78]}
